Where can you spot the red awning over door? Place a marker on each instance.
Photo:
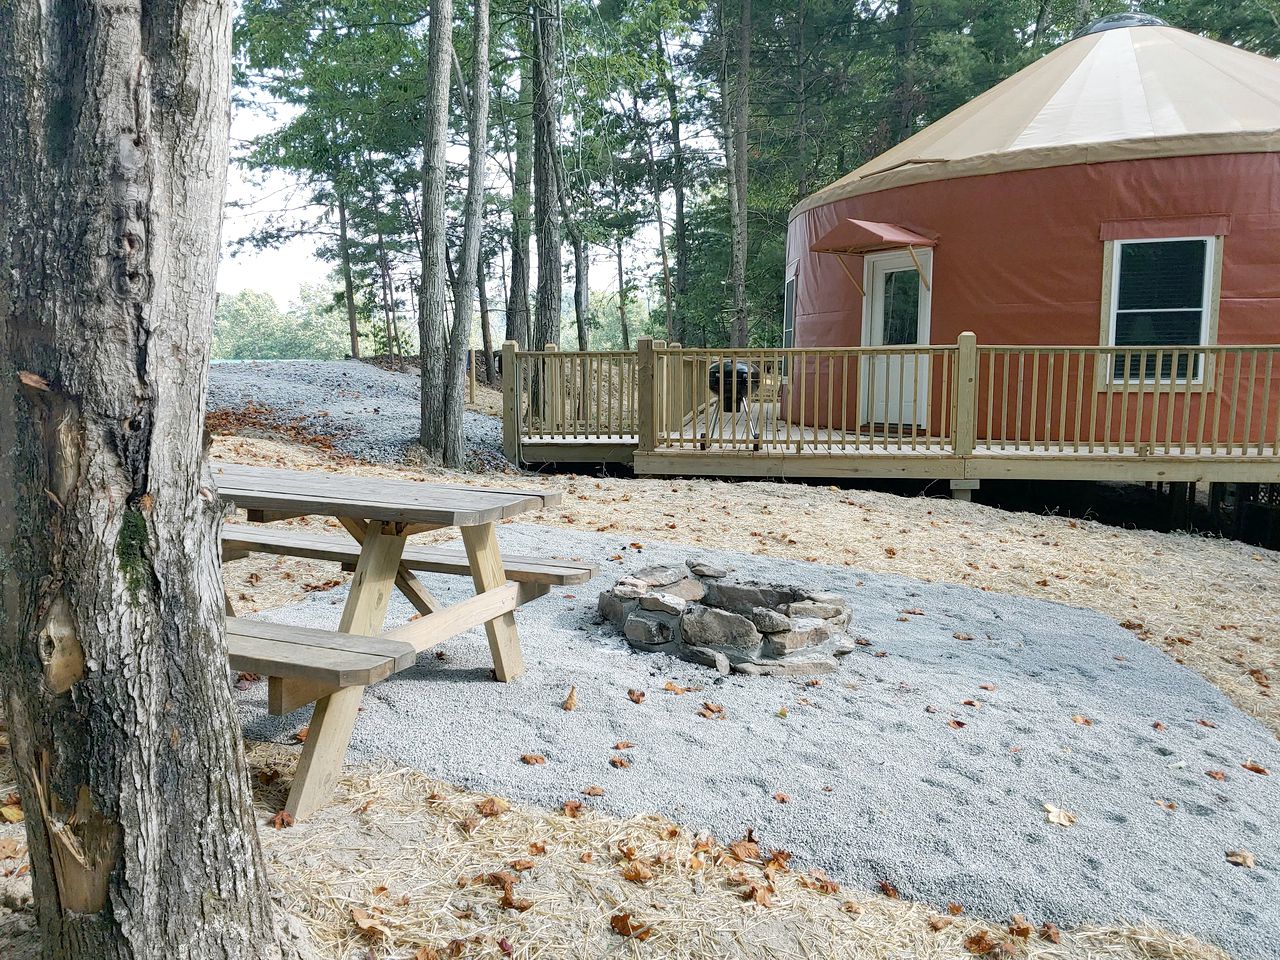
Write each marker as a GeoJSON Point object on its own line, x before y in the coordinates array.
{"type": "Point", "coordinates": [867, 236]}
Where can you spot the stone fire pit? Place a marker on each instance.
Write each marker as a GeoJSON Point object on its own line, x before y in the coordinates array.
{"type": "Point", "coordinates": [704, 614]}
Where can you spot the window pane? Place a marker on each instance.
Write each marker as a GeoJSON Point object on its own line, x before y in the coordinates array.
{"type": "Point", "coordinates": [1138, 328]}
{"type": "Point", "coordinates": [1142, 366]}
{"type": "Point", "coordinates": [901, 307]}
{"type": "Point", "coordinates": [1162, 276]}
{"type": "Point", "coordinates": [789, 313]}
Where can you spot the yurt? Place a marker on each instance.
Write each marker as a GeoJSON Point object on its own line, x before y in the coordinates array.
{"type": "Point", "coordinates": [1122, 190]}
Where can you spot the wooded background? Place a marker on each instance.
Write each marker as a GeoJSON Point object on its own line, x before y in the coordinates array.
{"type": "Point", "coordinates": [661, 142]}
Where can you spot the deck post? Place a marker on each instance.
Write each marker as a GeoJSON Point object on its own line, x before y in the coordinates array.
{"type": "Point", "coordinates": [510, 403]}
{"type": "Point", "coordinates": [646, 374]}
{"type": "Point", "coordinates": [966, 394]}
{"type": "Point", "coordinates": [552, 413]}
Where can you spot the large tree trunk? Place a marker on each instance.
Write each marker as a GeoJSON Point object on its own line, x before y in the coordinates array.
{"type": "Point", "coordinates": [472, 219]}
{"type": "Point", "coordinates": [736, 142]}
{"type": "Point", "coordinates": [522, 196]}
{"type": "Point", "coordinates": [432, 305]}
{"type": "Point", "coordinates": [344, 250]}
{"type": "Point", "coordinates": [546, 176]}
{"type": "Point", "coordinates": [125, 743]}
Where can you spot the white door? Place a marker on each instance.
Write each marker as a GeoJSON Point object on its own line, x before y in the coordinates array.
{"type": "Point", "coordinates": [896, 313]}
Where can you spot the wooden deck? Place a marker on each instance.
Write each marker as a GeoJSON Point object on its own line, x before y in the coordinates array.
{"type": "Point", "coordinates": [1034, 413]}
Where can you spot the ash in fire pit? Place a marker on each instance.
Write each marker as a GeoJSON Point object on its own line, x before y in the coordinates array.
{"type": "Point", "coordinates": [703, 614]}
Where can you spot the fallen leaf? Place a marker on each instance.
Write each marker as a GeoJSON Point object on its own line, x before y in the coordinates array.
{"type": "Point", "coordinates": [282, 819]}
{"type": "Point", "coordinates": [492, 807]}
{"type": "Point", "coordinates": [955, 909]}
{"type": "Point", "coordinates": [1051, 933]}
{"type": "Point", "coordinates": [913, 612]}
{"type": "Point", "coordinates": [1082, 720]}
{"type": "Point", "coordinates": [635, 696]}
{"type": "Point", "coordinates": [669, 832]}
{"type": "Point", "coordinates": [711, 711]}
{"type": "Point", "coordinates": [301, 735]}
{"type": "Point", "coordinates": [746, 849]}
{"type": "Point", "coordinates": [850, 907]}
{"type": "Point", "coordinates": [624, 925]}
{"type": "Point", "coordinates": [1207, 723]}
{"type": "Point", "coordinates": [33, 380]}
{"type": "Point", "coordinates": [955, 724]}
{"type": "Point", "coordinates": [11, 849]}
{"type": "Point", "coordinates": [521, 865]}
{"type": "Point", "coordinates": [1216, 774]}
{"type": "Point", "coordinates": [623, 745]}
{"type": "Point", "coordinates": [572, 808]}
{"type": "Point", "coordinates": [571, 699]}
{"type": "Point", "coordinates": [782, 797]}
{"type": "Point", "coordinates": [587, 856]}
{"type": "Point", "coordinates": [427, 953]}
{"type": "Point", "coordinates": [1019, 927]}
{"type": "Point", "coordinates": [368, 925]}
{"type": "Point", "coordinates": [533, 759]}
{"type": "Point", "coordinates": [1056, 815]}
{"type": "Point", "coordinates": [593, 791]}
{"type": "Point", "coordinates": [1159, 727]}
{"type": "Point", "coordinates": [980, 943]}
{"type": "Point", "coordinates": [940, 923]}
{"type": "Point", "coordinates": [1242, 858]}
{"type": "Point", "coordinates": [963, 636]}
{"type": "Point", "coordinates": [619, 763]}
{"type": "Point", "coordinates": [1254, 767]}
{"type": "Point", "coordinates": [987, 686]}
{"type": "Point", "coordinates": [672, 687]}
{"type": "Point", "coordinates": [817, 879]}
{"type": "Point", "coordinates": [637, 871]}
{"type": "Point", "coordinates": [889, 890]}
{"type": "Point", "coordinates": [11, 813]}
{"type": "Point", "coordinates": [890, 552]}
{"type": "Point", "coordinates": [537, 848]}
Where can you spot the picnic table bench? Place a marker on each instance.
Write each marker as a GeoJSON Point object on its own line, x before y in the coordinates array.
{"type": "Point", "coordinates": [331, 668]}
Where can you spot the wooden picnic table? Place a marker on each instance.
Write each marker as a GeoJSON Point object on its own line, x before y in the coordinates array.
{"type": "Point", "coordinates": [332, 668]}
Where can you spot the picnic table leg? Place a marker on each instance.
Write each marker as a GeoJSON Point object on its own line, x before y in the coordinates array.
{"type": "Point", "coordinates": [335, 715]}
{"type": "Point", "coordinates": [406, 581]}
{"type": "Point", "coordinates": [487, 573]}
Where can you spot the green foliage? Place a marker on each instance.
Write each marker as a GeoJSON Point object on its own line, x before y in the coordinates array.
{"type": "Point", "coordinates": [250, 325]}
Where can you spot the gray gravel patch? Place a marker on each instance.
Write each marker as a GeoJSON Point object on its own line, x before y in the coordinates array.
{"type": "Point", "coordinates": [370, 413]}
{"type": "Point", "coordinates": [881, 785]}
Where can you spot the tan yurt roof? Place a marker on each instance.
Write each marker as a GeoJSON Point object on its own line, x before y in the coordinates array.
{"type": "Point", "coordinates": [1118, 94]}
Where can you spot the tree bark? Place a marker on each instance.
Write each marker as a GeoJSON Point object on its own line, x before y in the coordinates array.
{"type": "Point", "coordinates": [736, 154]}
{"type": "Point", "coordinates": [522, 197]}
{"type": "Point", "coordinates": [344, 250]}
{"type": "Point", "coordinates": [905, 51]}
{"type": "Point", "coordinates": [433, 329]}
{"type": "Point", "coordinates": [622, 299]}
{"type": "Point", "coordinates": [125, 742]}
{"type": "Point", "coordinates": [581, 286]}
{"type": "Point", "coordinates": [680, 232]}
{"type": "Point", "coordinates": [546, 160]}
{"type": "Point", "coordinates": [388, 300]}
{"type": "Point", "coordinates": [655, 191]}
{"type": "Point", "coordinates": [454, 450]}
{"type": "Point", "coordinates": [486, 332]}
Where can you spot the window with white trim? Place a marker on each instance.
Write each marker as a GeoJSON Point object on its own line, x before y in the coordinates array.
{"type": "Point", "coordinates": [789, 311]}
{"type": "Point", "coordinates": [1160, 297]}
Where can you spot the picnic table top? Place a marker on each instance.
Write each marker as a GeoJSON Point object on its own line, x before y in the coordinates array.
{"type": "Point", "coordinates": [371, 498]}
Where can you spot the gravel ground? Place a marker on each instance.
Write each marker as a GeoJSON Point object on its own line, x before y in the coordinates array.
{"type": "Point", "coordinates": [369, 413]}
{"type": "Point", "coordinates": [880, 786]}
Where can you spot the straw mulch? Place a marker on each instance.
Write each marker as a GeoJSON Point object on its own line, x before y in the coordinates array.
{"type": "Point", "coordinates": [402, 866]}
{"type": "Point", "coordinates": [1209, 603]}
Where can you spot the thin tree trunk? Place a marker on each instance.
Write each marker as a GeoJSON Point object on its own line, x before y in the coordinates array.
{"type": "Point", "coordinates": [344, 249]}
{"type": "Point", "coordinates": [736, 142]}
{"type": "Point", "coordinates": [679, 227]}
{"type": "Point", "coordinates": [477, 106]}
{"type": "Point", "coordinates": [546, 161]}
{"type": "Point", "coordinates": [522, 195]}
{"type": "Point", "coordinates": [125, 743]}
{"type": "Point", "coordinates": [655, 190]}
{"type": "Point", "coordinates": [486, 332]}
{"type": "Point", "coordinates": [388, 307]}
{"type": "Point", "coordinates": [432, 301]}
{"type": "Point", "coordinates": [622, 299]}
{"type": "Point", "coordinates": [581, 286]}
{"type": "Point", "coordinates": [905, 50]}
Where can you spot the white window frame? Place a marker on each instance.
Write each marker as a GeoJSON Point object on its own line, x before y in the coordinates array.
{"type": "Point", "coordinates": [1209, 297]}
{"type": "Point", "coordinates": [792, 276]}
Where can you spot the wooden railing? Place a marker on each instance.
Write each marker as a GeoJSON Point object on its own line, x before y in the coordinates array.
{"type": "Point", "coordinates": [571, 395]}
{"type": "Point", "coordinates": [957, 400]}
{"type": "Point", "coordinates": [1138, 401]}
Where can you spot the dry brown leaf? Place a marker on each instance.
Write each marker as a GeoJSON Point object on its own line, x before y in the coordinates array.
{"type": "Point", "coordinates": [619, 763]}
{"type": "Point", "coordinates": [1051, 933]}
{"type": "Point", "coordinates": [369, 925]}
{"type": "Point", "coordinates": [1207, 723]}
{"type": "Point", "coordinates": [593, 791]}
{"type": "Point", "coordinates": [537, 848]}
{"type": "Point", "coordinates": [637, 871]}
{"type": "Point", "coordinates": [980, 942]}
{"type": "Point", "coordinates": [1082, 720]}
{"type": "Point", "coordinates": [624, 925]}
{"type": "Point", "coordinates": [32, 380]}
{"type": "Point", "coordinates": [746, 849]}
{"type": "Point", "coordinates": [850, 907]}
{"type": "Point", "coordinates": [521, 865]}
{"type": "Point", "coordinates": [533, 759]}
{"type": "Point", "coordinates": [1216, 774]}
{"type": "Point", "coordinates": [282, 819]}
{"type": "Point", "coordinates": [955, 909]}
{"type": "Point", "coordinates": [782, 797]}
{"type": "Point", "coordinates": [1019, 927]}
{"type": "Point", "coordinates": [572, 808]}
{"type": "Point", "coordinates": [301, 735]}
{"type": "Point", "coordinates": [1158, 727]}
{"type": "Point", "coordinates": [940, 923]}
{"type": "Point", "coordinates": [11, 849]}
{"type": "Point", "coordinates": [1255, 767]}
{"type": "Point", "coordinates": [492, 807]}
{"type": "Point", "coordinates": [955, 724]}
{"type": "Point", "coordinates": [427, 953]}
{"type": "Point", "coordinates": [1058, 816]}
{"type": "Point", "coordinates": [1242, 858]}
{"type": "Point", "coordinates": [635, 696]}
{"type": "Point", "coordinates": [587, 856]}
{"type": "Point", "coordinates": [623, 745]}
{"type": "Point", "coordinates": [571, 699]}
{"type": "Point", "coordinates": [817, 879]}
{"type": "Point", "coordinates": [889, 890]}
